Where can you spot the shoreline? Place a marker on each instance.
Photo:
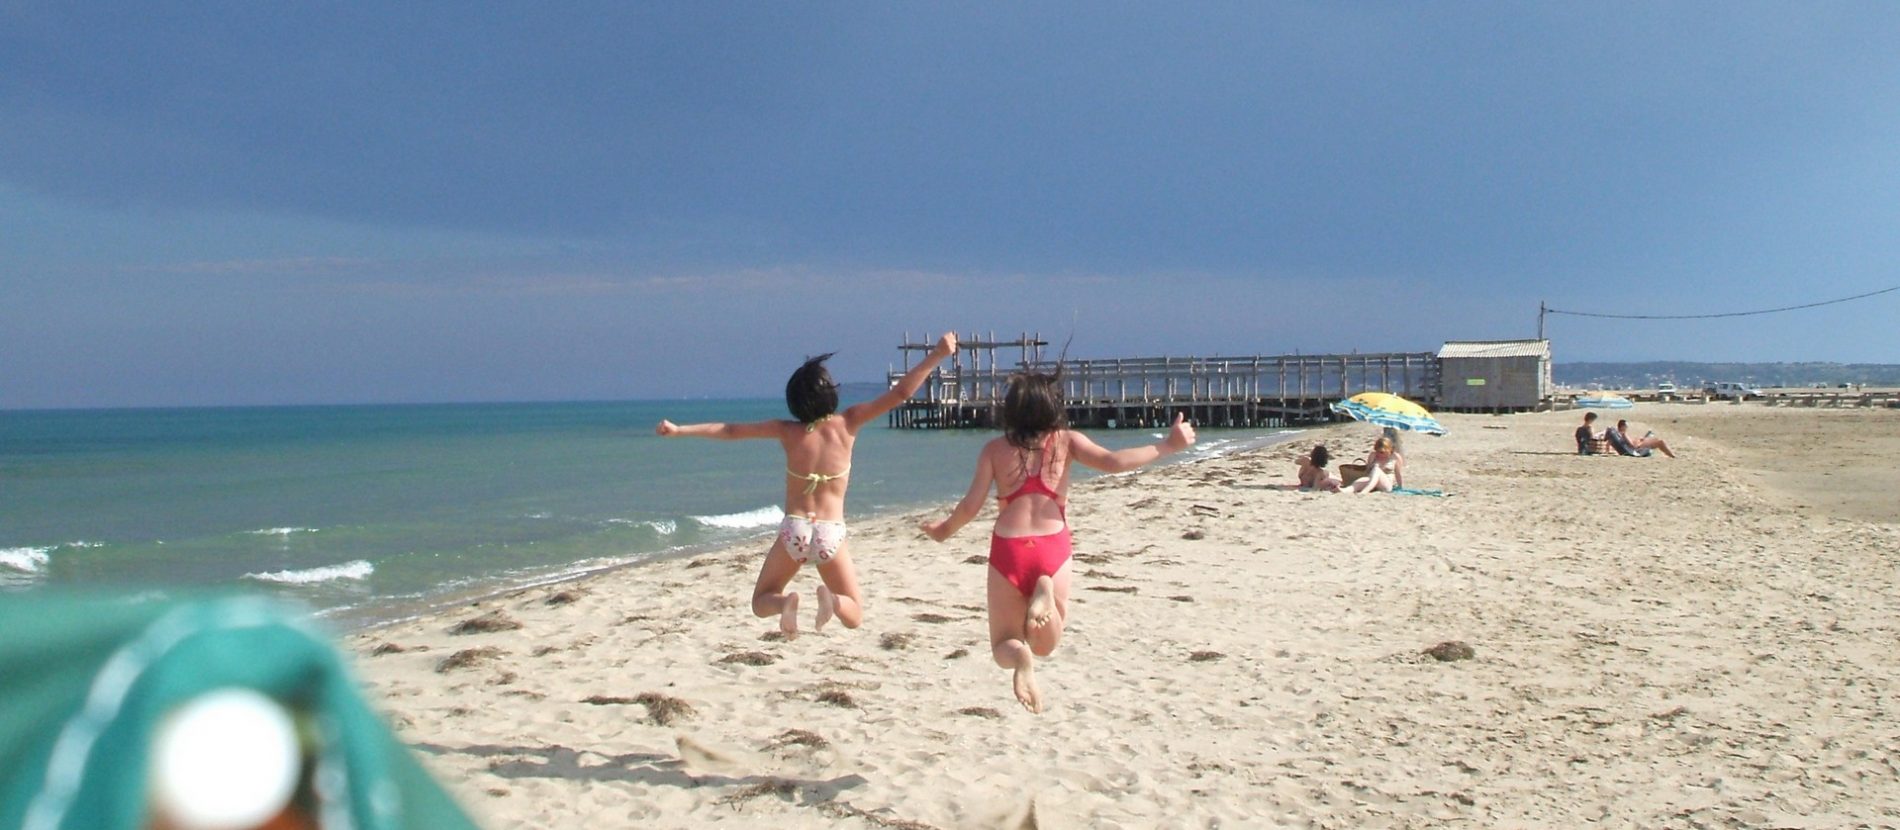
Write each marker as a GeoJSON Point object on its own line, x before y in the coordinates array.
{"type": "Point", "coordinates": [424, 608]}
{"type": "Point", "coordinates": [1652, 642]}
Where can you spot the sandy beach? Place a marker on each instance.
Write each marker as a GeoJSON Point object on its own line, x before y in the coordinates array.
{"type": "Point", "coordinates": [1708, 641]}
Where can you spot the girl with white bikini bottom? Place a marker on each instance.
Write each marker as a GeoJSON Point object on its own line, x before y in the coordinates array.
{"type": "Point", "coordinates": [819, 440]}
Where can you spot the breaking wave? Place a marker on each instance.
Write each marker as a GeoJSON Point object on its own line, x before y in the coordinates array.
{"type": "Point", "coordinates": [25, 560]}
{"type": "Point", "coordinates": [329, 573]}
{"type": "Point", "coordinates": [762, 517]}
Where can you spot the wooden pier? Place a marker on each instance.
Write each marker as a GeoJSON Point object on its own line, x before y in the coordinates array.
{"type": "Point", "coordinates": [1145, 392]}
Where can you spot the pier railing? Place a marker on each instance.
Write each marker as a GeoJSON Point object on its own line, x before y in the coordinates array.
{"type": "Point", "coordinates": [1250, 391]}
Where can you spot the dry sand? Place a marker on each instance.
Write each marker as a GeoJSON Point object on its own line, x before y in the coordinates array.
{"type": "Point", "coordinates": [1709, 641]}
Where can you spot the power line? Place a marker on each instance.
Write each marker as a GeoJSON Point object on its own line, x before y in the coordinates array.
{"type": "Point", "coordinates": [1724, 314]}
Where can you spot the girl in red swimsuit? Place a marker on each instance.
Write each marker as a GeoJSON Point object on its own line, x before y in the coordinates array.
{"type": "Point", "coordinates": [1029, 545]}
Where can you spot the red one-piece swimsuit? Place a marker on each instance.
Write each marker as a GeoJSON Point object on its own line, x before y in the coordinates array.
{"type": "Point", "coordinates": [1024, 559]}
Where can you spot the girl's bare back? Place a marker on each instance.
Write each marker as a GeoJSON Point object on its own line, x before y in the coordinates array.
{"type": "Point", "coordinates": [1013, 465]}
{"type": "Point", "coordinates": [817, 467]}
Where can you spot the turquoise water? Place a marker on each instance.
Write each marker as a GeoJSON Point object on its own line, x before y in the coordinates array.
{"type": "Point", "coordinates": [373, 512]}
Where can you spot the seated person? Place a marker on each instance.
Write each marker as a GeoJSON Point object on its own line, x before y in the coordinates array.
{"type": "Point", "coordinates": [1587, 438]}
{"type": "Point", "coordinates": [1385, 469]}
{"type": "Point", "coordinates": [1624, 444]}
{"type": "Point", "coordinates": [1313, 473]}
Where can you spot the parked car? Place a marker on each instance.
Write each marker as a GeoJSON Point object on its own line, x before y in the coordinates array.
{"type": "Point", "coordinates": [1730, 389]}
{"type": "Point", "coordinates": [1665, 388]}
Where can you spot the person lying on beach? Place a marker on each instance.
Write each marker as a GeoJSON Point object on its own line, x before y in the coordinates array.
{"type": "Point", "coordinates": [1625, 445]}
{"type": "Point", "coordinates": [817, 448]}
{"type": "Point", "coordinates": [1385, 469]}
{"type": "Point", "coordinates": [1313, 474]}
{"type": "Point", "coordinates": [1029, 563]}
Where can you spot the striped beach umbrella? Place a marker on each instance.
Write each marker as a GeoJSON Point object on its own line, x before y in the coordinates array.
{"type": "Point", "coordinates": [1388, 410]}
{"type": "Point", "coordinates": [1605, 400]}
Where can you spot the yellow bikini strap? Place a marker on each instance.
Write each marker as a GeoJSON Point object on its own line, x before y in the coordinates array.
{"type": "Point", "coordinates": [812, 480]}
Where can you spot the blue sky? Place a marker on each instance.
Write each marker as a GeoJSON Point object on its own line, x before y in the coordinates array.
{"type": "Point", "coordinates": [256, 203]}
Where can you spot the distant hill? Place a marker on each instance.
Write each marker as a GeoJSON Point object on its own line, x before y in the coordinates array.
{"type": "Point", "coordinates": [1687, 374]}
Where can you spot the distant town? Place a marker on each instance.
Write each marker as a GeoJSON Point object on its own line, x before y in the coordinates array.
{"type": "Point", "coordinates": [1687, 375]}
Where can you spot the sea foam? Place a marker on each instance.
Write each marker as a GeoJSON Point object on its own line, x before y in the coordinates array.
{"type": "Point", "coordinates": [282, 531]}
{"type": "Point", "coordinates": [26, 560]}
{"type": "Point", "coordinates": [311, 576]}
{"type": "Point", "coordinates": [664, 527]}
{"type": "Point", "coordinates": [762, 517]}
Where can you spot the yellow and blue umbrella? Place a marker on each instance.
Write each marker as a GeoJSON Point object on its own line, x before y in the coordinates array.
{"type": "Point", "coordinates": [1388, 410]}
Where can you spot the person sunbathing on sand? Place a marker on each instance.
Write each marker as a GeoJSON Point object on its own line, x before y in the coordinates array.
{"type": "Point", "coordinates": [818, 462]}
{"type": "Point", "coordinates": [1029, 544]}
{"type": "Point", "coordinates": [1626, 445]}
{"type": "Point", "coordinates": [1312, 471]}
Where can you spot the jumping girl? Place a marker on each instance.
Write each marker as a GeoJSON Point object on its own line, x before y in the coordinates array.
{"type": "Point", "coordinates": [1029, 544]}
{"type": "Point", "coordinates": [818, 462]}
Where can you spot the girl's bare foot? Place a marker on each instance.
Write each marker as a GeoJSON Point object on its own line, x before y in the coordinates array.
{"type": "Point", "coordinates": [1025, 683]}
{"type": "Point", "coordinates": [1042, 603]}
{"type": "Point", "coordinates": [1015, 655]}
{"type": "Point", "coordinates": [788, 617]}
{"type": "Point", "coordinates": [827, 608]}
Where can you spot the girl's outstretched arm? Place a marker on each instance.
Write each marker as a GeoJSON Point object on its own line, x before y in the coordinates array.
{"type": "Point", "coordinates": [718, 431]}
{"type": "Point", "coordinates": [966, 509]}
{"type": "Point", "coordinates": [907, 386]}
{"type": "Point", "coordinates": [1091, 454]}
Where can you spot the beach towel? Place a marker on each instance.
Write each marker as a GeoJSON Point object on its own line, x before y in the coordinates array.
{"type": "Point", "coordinates": [1413, 491]}
{"type": "Point", "coordinates": [85, 683]}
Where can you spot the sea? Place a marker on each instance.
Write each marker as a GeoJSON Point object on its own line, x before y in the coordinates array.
{"type": "Point", "coordinates": [370, 514]}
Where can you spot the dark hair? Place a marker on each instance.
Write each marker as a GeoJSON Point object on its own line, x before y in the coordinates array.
{"type": "Point", "coordinates": [811, 394]}
{"type": "Point", "coordinates": [1620, 424]}
{"type": "Point", "coordinates": [1032, 407]}
{"type": "Point", "coordinates": [1321, 456]}
{"type": "Point", "coordinates": [1589, 416]}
